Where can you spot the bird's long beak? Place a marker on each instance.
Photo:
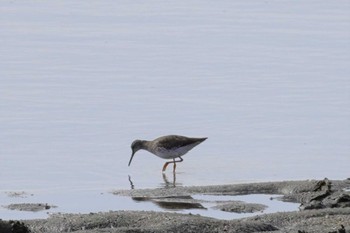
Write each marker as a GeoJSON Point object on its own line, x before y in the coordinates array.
{"type": "Point", "coordinates": [132, 156]}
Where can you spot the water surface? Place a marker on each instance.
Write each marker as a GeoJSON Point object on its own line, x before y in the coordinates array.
{"type": "Point", "coordinates": [266, 82]}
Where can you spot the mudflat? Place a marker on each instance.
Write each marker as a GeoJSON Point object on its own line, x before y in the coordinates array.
{"type": "Point", "coordinates": [324, 207]}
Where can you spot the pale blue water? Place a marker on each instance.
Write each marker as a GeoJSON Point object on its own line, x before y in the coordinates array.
{"type": "Point", "coordinates": [266, 82]}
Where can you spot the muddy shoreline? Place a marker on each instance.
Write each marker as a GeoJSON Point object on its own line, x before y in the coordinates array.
{"type": "Point", "coordinates": [324, 207]}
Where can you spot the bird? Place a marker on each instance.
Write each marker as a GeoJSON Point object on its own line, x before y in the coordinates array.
{"type": "Point", "coordinates": [166, 147]}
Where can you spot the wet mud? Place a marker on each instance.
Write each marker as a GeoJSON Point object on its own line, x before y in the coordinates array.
{"type": "Point", "coordinates": [33, 207]}
{"type": "Point", "coordinates": [324, 207]}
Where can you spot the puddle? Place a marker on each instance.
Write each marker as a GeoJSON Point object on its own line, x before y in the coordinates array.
{"type": "Point", "coordinates": [204, 205]}
{"type": "Point", "coordinates": [70, 202]}
{"type": "Point", "coordinates": [271, 201]}
{"type": "Point", "coordinates": [92, 201]}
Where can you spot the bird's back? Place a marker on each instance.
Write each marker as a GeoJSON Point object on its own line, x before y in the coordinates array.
{"type": "Point", "coordinates": [175, 141]}
{"type": "Point", "coordinates": [173, 146]}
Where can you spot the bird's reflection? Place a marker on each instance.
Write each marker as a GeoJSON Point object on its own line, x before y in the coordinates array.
{"type": "Point", "coordinates": [168, 202]}
{"type": "Point", "coordinates": [132, 186]}
{"type": "Point", "coordinates": [167, 183]}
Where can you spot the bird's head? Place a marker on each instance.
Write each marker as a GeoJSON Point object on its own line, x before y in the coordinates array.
{"type": "Point", "coordinates": [135, 146]}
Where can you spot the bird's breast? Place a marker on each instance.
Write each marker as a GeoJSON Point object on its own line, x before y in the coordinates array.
{"type": "Point", "coordinates": [171, 153]}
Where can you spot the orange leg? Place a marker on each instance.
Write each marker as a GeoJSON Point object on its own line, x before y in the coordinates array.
{"type": "Point", "coordinates": [174, 162]}
{"type": "Point", "coordinates": [165, 166]}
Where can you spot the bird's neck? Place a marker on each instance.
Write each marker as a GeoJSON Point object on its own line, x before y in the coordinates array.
{"type": "Point", "coordinates": [145, 145]}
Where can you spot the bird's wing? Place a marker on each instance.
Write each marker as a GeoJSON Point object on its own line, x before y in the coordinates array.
{"type": "Point", "coordinates": [175, 141]}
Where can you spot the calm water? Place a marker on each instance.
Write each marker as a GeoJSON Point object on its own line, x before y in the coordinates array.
{"type": "Point", "coordinates": [266, 81]}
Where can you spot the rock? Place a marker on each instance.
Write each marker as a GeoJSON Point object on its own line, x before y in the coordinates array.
{"type": "Point", "coordinates": [241, 207]}
{"type": "Point", "coordinates": [13, 227]}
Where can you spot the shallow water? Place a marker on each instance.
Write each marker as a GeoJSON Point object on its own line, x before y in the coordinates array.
{"type": "Point", "coordinates": [266, 82]}
{"type": "Point", "coordinates": [76, 202]}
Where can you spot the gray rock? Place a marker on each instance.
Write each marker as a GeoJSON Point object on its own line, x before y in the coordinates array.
{"type": "Point", "coordinates": [241, 207]}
